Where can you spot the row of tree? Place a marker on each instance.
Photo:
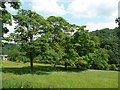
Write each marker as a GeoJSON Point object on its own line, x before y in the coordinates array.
{"type": "Point", "coordinates": [56, 41]}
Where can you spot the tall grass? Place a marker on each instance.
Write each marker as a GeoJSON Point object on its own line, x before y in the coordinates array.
{"type": "Point", "coordinates": [19, 75]}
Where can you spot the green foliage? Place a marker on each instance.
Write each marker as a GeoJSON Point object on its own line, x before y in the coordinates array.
{"type": "Point", "coordinates": [108, 39]}
{"type": "Point", "coordinates": [112, 67]}
{"type": "Point", "coordinates": [6, 16]}
{"type": "Point", "coordinates": [98, 59]}
{"type": "Point", "coordinates": [57, 42]}
{"type": "Point", "coordinates": [13, 54]}
{"type": "Point", "coordinates": [81, 62]}
{"type": "Point", "coordinates": [117, 20]}
{"type": "Point", "coordinates": [22, 58]}
{"type": "Point", "coordinates": [59, 27]}
{"type": "Point", "coordinates": [82, 42]}
{"type": "Point", "coordinates": [7, 47]}
{"type": "Point", "coordinates": [29, 24]}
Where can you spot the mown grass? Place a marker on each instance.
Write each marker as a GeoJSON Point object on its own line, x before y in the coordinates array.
{"type": "Point", "coordinates": [19, 75]}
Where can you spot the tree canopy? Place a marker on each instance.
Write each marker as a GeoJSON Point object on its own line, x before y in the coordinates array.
{"type": "Point", "coordinates": [58, 42]}
{"type": "Point", "coordinates": [6, 15]}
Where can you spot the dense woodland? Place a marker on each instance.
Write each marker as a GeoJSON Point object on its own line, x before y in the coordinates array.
{"type": "Point", "coordinates": [57, 42]}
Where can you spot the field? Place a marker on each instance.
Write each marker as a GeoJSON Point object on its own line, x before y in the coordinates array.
{"type": "Point", "coordinates": [19, 75]}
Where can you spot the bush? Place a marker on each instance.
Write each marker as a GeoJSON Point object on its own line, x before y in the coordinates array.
{"type": "Point", "coordinates": [112, 67]}
{"type": "Point", "coordinates": [38, 59]}
{"type": "Point", "coordinates": [81, 63]}
{"type": "Point", "coordinates": [13, 54]}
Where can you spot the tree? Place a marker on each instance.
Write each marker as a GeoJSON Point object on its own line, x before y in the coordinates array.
{"type": "Point", "coordinates": [81, 62]}
{"type": "Point", "coordinates": [108, 39]}
{"type": "Point", "coordinates": [61, 40]}
{"type": "Point", "coordinates": [59, 27]}
{"type": "Point", "coordinates": [29, 25]}
{"type": "Point", "coordinates": [13, 54]}
{"type": "Point", "coordinates": [83, 44]}
{"type": "Point", "coordinates": [117, 20]}
{"type": "Point", "coordinates": [98, 59]}
{"type": "Point", "coordinates": [5, 15]}
{"type": "Point", "coordinates": [70, 54]}
{"type": "Point", "coordinates": [47, 53]}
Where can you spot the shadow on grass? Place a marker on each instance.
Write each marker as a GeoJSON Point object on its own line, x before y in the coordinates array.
{"type": "Point", "coordinates": [39, 70]}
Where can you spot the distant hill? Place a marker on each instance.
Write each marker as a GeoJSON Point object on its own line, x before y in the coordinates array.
{"type": "Point", "coordinates": [109, 39]}
{"type": "Point", "coordinates": [8, 47]}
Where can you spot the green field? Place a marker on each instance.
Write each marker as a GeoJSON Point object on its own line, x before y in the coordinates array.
{"type": "Point", "coordinates": [19, 75]}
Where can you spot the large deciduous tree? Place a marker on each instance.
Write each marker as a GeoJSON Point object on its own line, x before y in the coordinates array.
{"type": "Point", "coordinates": [99, 59]}
{"type": "Point", "coordinates": [59, 27]}
{"type": "Point", "coordinates": [29, 25]}
{"type": "Point", "coordinates": [83, 45]}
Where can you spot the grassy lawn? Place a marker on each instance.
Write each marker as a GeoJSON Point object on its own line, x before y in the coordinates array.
{"type": "Point", "coordinates": [44, 76]}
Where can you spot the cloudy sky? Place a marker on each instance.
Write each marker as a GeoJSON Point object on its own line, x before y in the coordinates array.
{"type": "Point", "coordinates": [96, 14]}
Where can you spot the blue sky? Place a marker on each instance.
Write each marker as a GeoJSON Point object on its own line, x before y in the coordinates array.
{"type": "Point", "coordinates": [96, 14]}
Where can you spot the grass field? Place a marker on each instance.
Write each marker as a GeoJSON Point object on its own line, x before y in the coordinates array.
{"type": "Point", "coordinates": [19, 75]}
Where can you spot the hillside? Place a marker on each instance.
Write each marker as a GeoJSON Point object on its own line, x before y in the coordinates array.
{"type": "Point", "coordinates": [108, 39]}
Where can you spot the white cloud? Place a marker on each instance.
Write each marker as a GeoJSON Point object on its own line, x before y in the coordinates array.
{"type": "Point", "coordinates": [107, 9]}
{"type": "Point", "coordinates": [64, 1]}
{"type": "Point", "coordinates": [21, 0]}
{"type": "Point", "coordinates": [95, 9]}
{"type": "Point", "coordinates": [98, 26]}
{"type": "Point", "coordinates": [11, 28]}
{"type": "Point", "coordinates": [48, 7]}
{"type": "Point", "coordinates": [92, 8]}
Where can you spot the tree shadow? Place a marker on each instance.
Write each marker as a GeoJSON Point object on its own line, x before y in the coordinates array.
{"type": "Point", "coordinates": [39, 70]}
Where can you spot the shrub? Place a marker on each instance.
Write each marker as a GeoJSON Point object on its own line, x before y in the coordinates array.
{"type": "Point", "coordinates": [112, 67]}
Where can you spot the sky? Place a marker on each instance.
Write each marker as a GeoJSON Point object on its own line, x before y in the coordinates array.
{"type": "Point", "coordinates": [95, 14]}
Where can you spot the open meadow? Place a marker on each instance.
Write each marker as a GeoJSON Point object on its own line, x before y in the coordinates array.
{"type": "Point", "coordinates": [19, 75]}
{"type": "Point", "coordinates": [59, 44]}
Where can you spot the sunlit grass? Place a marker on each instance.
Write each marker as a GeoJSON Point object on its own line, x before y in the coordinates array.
{"type": "Point", "coordinates": [44, 76]}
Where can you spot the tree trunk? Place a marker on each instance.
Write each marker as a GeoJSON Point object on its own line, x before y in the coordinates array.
{"type": "Point", "coordinates": [31, 55]}
{"type": "Point", "coordinates": [77, 67]}
{"type": "Point", "coordinates": [54, 65]}
{"type": "Point", "coordinates": [65, 65]}
{"type": "Point", "coordinates": [31, 62]}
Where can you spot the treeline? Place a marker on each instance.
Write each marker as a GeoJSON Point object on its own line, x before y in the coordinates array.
{"type": "Point", "coordinates": [109, 39]}
{"type": "Point", "coordinates": [56, 41]}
